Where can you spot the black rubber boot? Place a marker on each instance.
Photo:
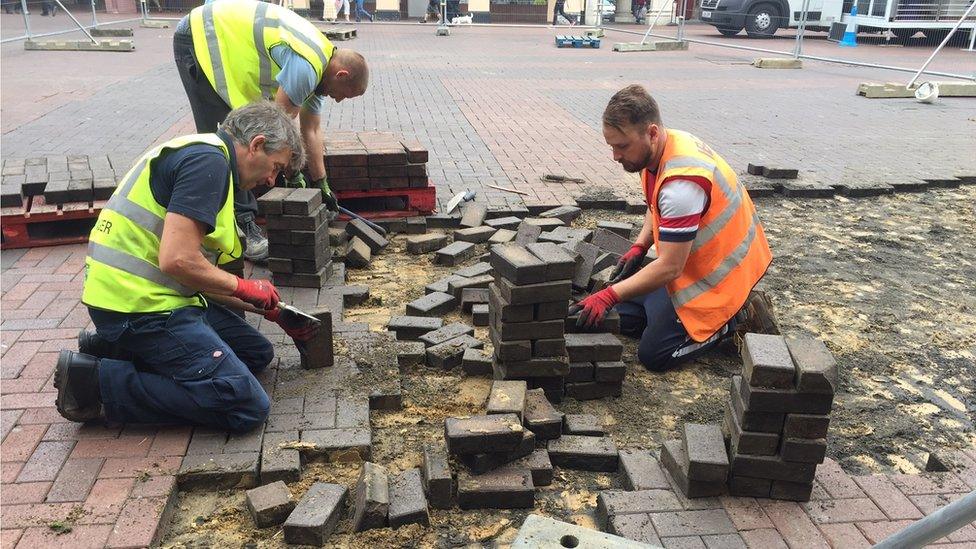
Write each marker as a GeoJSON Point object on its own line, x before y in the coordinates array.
{"type": "Point", "coordinates": [76, 379]}
{"type": "Point", "coordinates": [90, 343]}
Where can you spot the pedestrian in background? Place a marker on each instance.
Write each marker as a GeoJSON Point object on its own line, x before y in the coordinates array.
{"type": "Point", "coordinates": [361, 11]}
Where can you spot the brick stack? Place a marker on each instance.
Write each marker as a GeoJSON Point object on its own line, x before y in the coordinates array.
{"type": "Point", "coordinates": [528, 303]}
{"type": "Point", "coordinates": [595, 366]}
{"type": "Point", "coordinates": [374, 160]}
{"type": "Point", "coordinates": [777, 416]}
{"type": "Point", "coordinates": [298, 237]}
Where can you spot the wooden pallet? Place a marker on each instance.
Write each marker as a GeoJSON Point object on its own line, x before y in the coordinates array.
{"type": "Point", "coordinates": [577, 42]}
{"type": "Point", "coordinates": [37, 223]}
{"type": "Point", "coordinates": [338, 34]}
{"type": "Point", "coordinates": [409, 202]}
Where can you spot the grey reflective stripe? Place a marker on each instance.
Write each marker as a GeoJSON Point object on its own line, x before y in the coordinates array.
{"type": "Point", "coordinates": [210, 33]}
{"type": "Point", "coordinates": [264, 56]}
{"type": "Point", "coordinates": [712, 279]}
{"type": "Point", "coordinates": [308, 42]}
{"type": "Point", "coordinates": [136, 214]}
{"type": "Point", "coordinates": [134, 174]}
{"type": "Point", "coordinates": [136, 267]}
{"type": "Point", "coordinates": [706, 233]}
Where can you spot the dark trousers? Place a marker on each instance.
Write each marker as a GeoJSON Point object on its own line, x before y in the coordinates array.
{"type": "Point", "coordinates": [664, 342]}
{"type": "Point", "coordinates": [191, 366]}
{"type": "Point", "coordinates": [560, 10]}
{"type": "Point", "coordinates": [209, 109]}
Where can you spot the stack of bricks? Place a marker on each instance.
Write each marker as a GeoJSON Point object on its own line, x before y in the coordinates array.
{"type": "Point", "coordinates": [595, 366]}
{"type": "Point", "coordinates": [60, 179]}
{"type": "Point", "coordinates": [298, 237]}
{"type": "Point", "coordinates": [528, 304]}
{"type": "Point", "coordinates": [374, 160]}
{"type": "Point", "coordinates": [777, 416]}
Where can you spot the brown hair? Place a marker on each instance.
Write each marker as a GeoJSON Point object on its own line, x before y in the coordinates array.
{"type": "Point", "coordinates": [631, 106]}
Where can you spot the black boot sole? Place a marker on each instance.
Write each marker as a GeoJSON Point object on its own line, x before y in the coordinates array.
{"type": "Point", "coordinates": [67, 411]}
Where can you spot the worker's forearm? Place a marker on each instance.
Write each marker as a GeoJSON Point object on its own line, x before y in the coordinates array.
{"type": "Point", "coordinates": [314, 151]}
{"type": "Point", "coordinates": [644, 281]}
{"type": "Point", "coordinates": [194, 271]}
{"type": "Point", "coordinates": [233, 303]}
{"type": "Point", "coordinates": [646, 236]}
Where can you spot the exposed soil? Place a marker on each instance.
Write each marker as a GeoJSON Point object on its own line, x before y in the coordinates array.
{"type": "Point", "coordinates": [887, 283]}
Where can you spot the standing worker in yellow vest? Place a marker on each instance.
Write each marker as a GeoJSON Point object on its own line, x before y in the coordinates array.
{"type": "Point", "coordinates": [232, 52]}
{"type": "Point", "coordinates": [710, 245]}
{"type": "Point", "coordinates": [167, 349]}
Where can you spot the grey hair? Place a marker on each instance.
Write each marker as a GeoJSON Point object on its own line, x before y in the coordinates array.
{"type": "Point", "coordinates": [265, 118]}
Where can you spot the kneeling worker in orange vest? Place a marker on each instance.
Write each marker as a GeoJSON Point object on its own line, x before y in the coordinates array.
{"type": "Point", "coordinates": [710, 245]}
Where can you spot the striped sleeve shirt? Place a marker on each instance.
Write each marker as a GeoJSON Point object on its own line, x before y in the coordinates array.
{"type": "Point", "coordinates": [681, 204]}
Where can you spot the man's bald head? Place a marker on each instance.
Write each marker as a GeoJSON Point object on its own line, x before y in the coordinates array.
{"type": "Point", "coordinates": [346, 75]}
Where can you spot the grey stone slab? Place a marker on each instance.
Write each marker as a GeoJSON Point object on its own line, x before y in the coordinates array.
{"type": "Point", "coordinates": [584, 453]}
{"type": "Point", "coordinates": [538, 532]}
{"type": "Point", "coordinates": [316, 516]}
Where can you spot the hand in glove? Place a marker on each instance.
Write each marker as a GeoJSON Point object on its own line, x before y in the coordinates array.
{"type": "Point", "coordinates": [594, 308]}
{"type": "Point", "coordinates": [260, 293]}
{"type": "Point", "coordinates": [327, 197]}
{"type": "Point", "coordinates": [629, 263]}
{"type": "Point", "coordinates": [298, 328]}
{"type": "Point", "coordinates": [297, 181]}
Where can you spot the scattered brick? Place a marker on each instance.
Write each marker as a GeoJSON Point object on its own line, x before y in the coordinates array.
{"type": "Point", "coordinates": [583, 424]}
{"type": "Point", "coordinates": [546, 224]}
{"type": "Point", "coordinates": [410, 328]}
{"type": "Point", "coordinates": [816, 368]}
{"type": "Point", "coordinates": [411, 353]}
{"type": "Point", "coordinates": [507, 397]}
{"type": "Point", "coordinates": [619, 227]}
{"type": "Point", "coordinates": [472, 296]}
{"type": "Point", "coordinates": [445, 333]}
{"type": "Point", "coordinates": [433, 304]}
{"type": "Point", "coordinates": [477, 269]}
{"type": "Point", "coordinates": [476, 362]}
{"type": "Point", "coordinates": [587, 255]}
{"type": "Point", "coordinates": [611, 503]}
{"type": "Point", "coordinates": [443, 221]}
{"type": "Point", "coordinates": [766, 362]}
{"type": "Point", "coordinates": [475, 235]}
{"type": "Point", "coordinates": [270, 504]}
{"type": "Point", "coordinates": [438, 481]}
{"type": "Point", "coordinates": [456, 287]}
{"type": "Point", "coordinates": [779, 173]}
{"type": "Point", "coordinates": [319, 351]}
{"type": "Point", "coordinates": [508, 222]}
{"type": "Point", "coordinates": [566, 214]}
{"type": "Point", "coordinates": [424, 243]}
{"type": "Point", "coordinates": [219, 470]}
{"type": "Point", "coordinates": [538, 464]}
{"type": "Point", "coordinates": [339, 444]}
{"type": "Point", "coordinates": [358, 254]}
{"type": "Point", "coordinates": [483, 462]}
{"type": "Point", "coordinates": [454, 253]}
{"type": "Point", "coordinates": [478, 434]}
{"type": "Point", "coordinates": [675, 461]}
{"type": "Point", "coordinates": [316, 516]}
{"type": "Point", "coordinates": [592, 390]}
{"type": "Point", "coordinates": [585, 453]}
{"type": "Point", "coordinates": [279, 463]}
{"type": "Point", "coordinates": [637, 527]}
{"type": "Point", "coordinates": [527, 233]}
{"type": "Point", "coordinates": [448, 355]}
{"type": "Point", "coordinates": [479, 314]}
{"type": "Point", "coordinates": [473, 214]}
{"type": "Point", "coordinates": [705, 452]}
{"type": "Point", "coordinates": [499, 489]}
{"type": "Point", "coordinates": [642, 471]}
{"type": "Point", "coordinates": [502, 236]}
{"type": "Point", "coordinates": [540, 416]}
{"type": "Point", "coordinates": [408, 505]}
{"type": "Point", "coordinates": [372, 498]}
{"type": "Point", "coordinates": [610, 242]}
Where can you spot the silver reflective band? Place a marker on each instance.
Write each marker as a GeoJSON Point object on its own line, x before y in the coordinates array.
{"type": "Point", "coordinates": [210, 33]}
{"type": "Point", "coordinates": [136, 214]}
{"type": "Point", "coordinates": [133, 175]}
{"type": "Point", "coordinates": [136, 267]}
{"type": "Point", "coordinates": [706, 233]}
{"type": "Point", "coordinates": [264, 61]}
{"type": "Point", "coordinates": [712, 279]}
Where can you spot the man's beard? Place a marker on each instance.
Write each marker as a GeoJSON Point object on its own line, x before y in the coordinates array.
{"type": "Point", "coordinates": [634, 168]}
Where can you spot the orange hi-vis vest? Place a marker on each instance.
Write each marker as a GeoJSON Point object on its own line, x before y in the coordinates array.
{"type": "Point", "coordinates": [730, 252]}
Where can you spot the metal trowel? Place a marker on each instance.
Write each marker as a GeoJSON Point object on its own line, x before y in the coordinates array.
{"type": "Point", "coordinates": [298, 312]}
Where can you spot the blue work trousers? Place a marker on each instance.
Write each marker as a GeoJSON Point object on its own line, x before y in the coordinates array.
{"type": "Point", "coordinates": [361, 11]}
{"type": "Point", "coordinates": [664, 342]}
{"type": "Point", "coordinates": [192, 366]}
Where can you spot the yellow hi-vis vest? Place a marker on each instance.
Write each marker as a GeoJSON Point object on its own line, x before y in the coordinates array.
{"type": "Point", "coordinates": [730, 253]}
{"type": "Point", "coordinates": [122, 271]}
{"type": "Point", "coordinates": [232, 41]}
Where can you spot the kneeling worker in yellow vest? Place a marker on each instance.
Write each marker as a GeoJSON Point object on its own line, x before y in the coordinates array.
{"type": "Point", "coordinates": [168, 349]}
{"type": "Point", "coordinates": [232, 52]}
{"type": "Point", "coordinates": [710, 245]}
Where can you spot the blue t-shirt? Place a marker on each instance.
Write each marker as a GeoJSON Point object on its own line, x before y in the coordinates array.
{"type": "Point", "coordinates": [297, 78]}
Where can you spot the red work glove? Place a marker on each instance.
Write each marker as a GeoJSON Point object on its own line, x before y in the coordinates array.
{"type": "Point", "coordinates": [629, 263]}
{"type": "Point", "coordinates": [296, 327]}
{"type": "Point", "coordinates": [594, 308]}
{"type": "Point", "coordinates": [260, 293]}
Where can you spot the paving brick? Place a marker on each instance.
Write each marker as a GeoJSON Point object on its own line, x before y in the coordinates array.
{"type": "Point", "coordinates": [317, 514]}
{"type": "Point", "coordinates": [763, 422]}
{"type": "Point", "coordinates": [372, 498]}
{"type": "Point", "coordinates": [507, 397]}
{"type": "Point", "coordinates": [411, 353]}
{"type": "Point", "coordinates": [804, 450]}
{"type": "Point", "coordinates": [443, 221]}
{"type": "Point", "coordinates": [566, 214]}
{"type": "Point", "coordinates": [929, 483]}
{"type": "Point", "coordinates": [516, 264]}
{"type": "Point", "coordinates": [473, 296]}
{"type": "Point", "coordinates": [549, 348]}
{"type": "Point", "coordinates": [747, 442]}
{"type": "Point", "coordinates": [683, 542]}
{"type": "Point", "coordinates": [848, 510]}
{"type": "Point", "coordinates": [518, 331]}
{"type": "Point", "coordinates": [154, 487]}
{"type": "Point", "coordinates": [700, 523]}
{"type": "Point", "coordinates": [930, 503]}
{"type": "Point", "coordinates": [546, 224]}
{"type": "Point", "coordinates": [836, 482]}
{"type": "Point", "coordinates": [20, 442]}
{"type": "Point", "coordinates": [621, 228]}
{"type": "Point", "coordinates": [816, 369]}
{"type": "Point", "coordinates": [410, 328]}
{"type": "Point", "coordinates": [792, 491]}
{"type": "Point", "coordinates": [806, 426]}
{"type": "Point", "coordinates": [408, 505]}
{"type": "Point", "coordinates": [580, 372]}
{"type": "Point", "coordinates": [875, 532]}
{"type": "Point", "coordinates": [675, 461]}
{"type": "Point", "coordinates": [140, 523]}
{"type": "Point", "coordinates": [434, 304]}
{"type": "Point", "coordinates": [437, 478]}
{"type": "Point", "coordinates": [527, 294]}
{"type": "Point", "coordinates": [587, 255]}
{"type": "Point", "coordinates": [476, 362]}
{"type": "Point", "coordinates": [219, 470]}
{"type": "Point", "coordinates": [319, 351]}
{"type": "Point", "coordinates": [75, 480]}
{"type": "Point", "coordinates": [483, 462]}
{"type": "Point", "coordinates": [474, 235]}
{"type": "Point", "coordinates": [766, 362]}
{"type": "Point", "coordinates": [25, 492]}
{"type": "Point", "coordinates": [772, 467]}
{"type": "Point", "coordinates": [457, 286]}
{"type": "Point", "coordinates": [446, 333]}
{"type": "Point", "coordinates": [584, 453]}
{"type": "Point", "coordinates": [590, 347]}
{"type": "Point", "coordinates": [705, 452]}
{"type": "Point", "coordinates": [610, 241]}
{"type": "Point", "coordinates": [637, 527]}
{"type": "Point", "coordinates": [609, 371]}
{"type": "Point", "coordinates": [583, 424]}
{"type": "Point", "coordinates": [425, 243]}
{"type": "Point", "coordinates": [358, 254]}
{"type": "Point", "coordinates": [611, 503]}
{"type": "Point", "coordinates": [454, 253]}
{"type": "Point", "coordinates": [592, 390]}
{"type": "Point", "coordinates": [763, 538]}
{"type": "Point", "coordinates": [450, 354]}
{"type": "Point", "coordinates": [477, 269]}
{"type": "Point", "coordinates": [79, 536]}
{"type": "Point", "coordinates": [538, 464]}
{"type": "Point", "coordinates": [760, 399]}
{"type": "Point", "coordinates": [724, 541]}
{"type": "Point", "coordinates": [45, 462]}
{"type": "Point", "coordinates": [269, 504]}
{"type": "Point", "coordinates": [531, 368]}
{"type": "Point", "coordinates": [505, 311]}
{"type": "Point", "coordinates": [745, 513]}
{"type": "Point", "coordinates": [793, 524]}
{"type": "Point", "coordinates": [478, 434]}
{"type": "Point", "coordinates": [641, 471]}
{"type": "Point", "coordinates": [301, 202]}
{"type": "Point", "coordinates": [540, 416]}
{"type": "Point", "coordinates": [750, 487]}
{"type": "Point", "coordinates": [359, 228]}
{"type": "Point", "coordinates": [473, 214]}
{"type": "Point", "coordinates": [845, 535]}
{"type": "Point", "coordinates": [560, 264]}
{"type": "Point", "coordinates": [502, 236]}
{"type": "Point", "coordinates": [499, 489]}
{"type": "Point", "coordinates": [479, 314]}
{"type": "Point", "coordinates": [527, 233]}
